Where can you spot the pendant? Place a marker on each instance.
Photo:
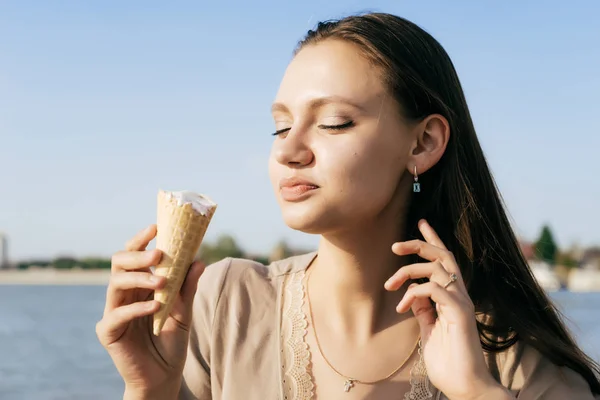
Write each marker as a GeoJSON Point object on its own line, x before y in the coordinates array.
{"type": "Point", "coordinates": [349, 384]}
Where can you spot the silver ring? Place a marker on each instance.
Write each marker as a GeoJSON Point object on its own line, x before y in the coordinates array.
{"type": "Point", "coordinates": [453, 278]}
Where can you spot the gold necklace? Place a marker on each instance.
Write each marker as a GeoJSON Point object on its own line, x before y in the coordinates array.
{"type": "Point", "coordinates": [348, 381]}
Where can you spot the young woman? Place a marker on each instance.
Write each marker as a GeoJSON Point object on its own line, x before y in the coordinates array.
{"type": "Point", "coordinates": [418, 289]}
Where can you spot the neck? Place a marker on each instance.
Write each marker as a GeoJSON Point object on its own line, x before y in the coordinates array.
{"type": "Point", "coordinates": [349, 273]}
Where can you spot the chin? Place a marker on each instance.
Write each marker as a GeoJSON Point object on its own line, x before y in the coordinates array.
{"type": "Point", "coordinates": [322, 218]}
{"type": "Point", "coordinates": [307, 219]}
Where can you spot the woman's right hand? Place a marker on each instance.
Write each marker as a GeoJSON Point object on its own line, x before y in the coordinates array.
{"type": "Point", "coordinates": [147, 363]}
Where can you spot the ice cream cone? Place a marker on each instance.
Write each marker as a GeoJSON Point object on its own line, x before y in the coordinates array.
{"type": "Point", "coordinates": [182, 221]}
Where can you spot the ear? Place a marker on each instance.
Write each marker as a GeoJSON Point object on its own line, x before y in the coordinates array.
{"type": "Point", "coordinates": [431, 138]}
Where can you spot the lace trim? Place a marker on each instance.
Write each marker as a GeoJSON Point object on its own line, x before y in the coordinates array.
{"type": "Point", "coordinates": [297, 381]}
{"type": "Point", "coordinates": [295, 357]}
{"type": "Point", "coordinates": [420, 388]}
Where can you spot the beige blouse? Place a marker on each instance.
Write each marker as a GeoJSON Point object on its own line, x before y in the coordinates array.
{"type": "Point", "coordinates": [248, 342]}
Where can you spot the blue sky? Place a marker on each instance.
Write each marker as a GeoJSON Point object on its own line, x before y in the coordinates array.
{"type": "Point", "coordinates": [104, 102]}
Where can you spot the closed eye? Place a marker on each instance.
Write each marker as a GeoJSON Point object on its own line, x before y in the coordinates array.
{"type": "Point", "coordinates": [331, 127]}
{"type": "Point", "coordinates": [338, 127]}
{"type": "Point", "coordinates": [280, 131]}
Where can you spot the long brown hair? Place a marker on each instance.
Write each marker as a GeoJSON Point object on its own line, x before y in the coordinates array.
{"type": "Point", "coordinates": [460, 198]}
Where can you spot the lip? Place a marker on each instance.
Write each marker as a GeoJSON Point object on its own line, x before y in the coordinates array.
{"type": "Point", "coordinates": [295, 181]}
{"type": "Point", "coordinates": [296, 189]}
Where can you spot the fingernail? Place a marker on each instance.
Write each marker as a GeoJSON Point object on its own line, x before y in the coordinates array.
{"type": "Point", "coordinates": [401, 305]}
{"type": "Point", "coordinates": [155, 279]}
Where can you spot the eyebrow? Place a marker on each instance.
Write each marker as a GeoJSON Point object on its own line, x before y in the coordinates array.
{"type": "Point", "coordinates": [318, 102]}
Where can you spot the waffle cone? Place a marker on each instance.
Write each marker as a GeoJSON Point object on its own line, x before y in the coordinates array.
{"type": "Point", "coordinates": [180, 231]}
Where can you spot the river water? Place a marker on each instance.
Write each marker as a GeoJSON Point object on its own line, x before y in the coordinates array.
{"type": "Point", "coordinates": [49, 349]}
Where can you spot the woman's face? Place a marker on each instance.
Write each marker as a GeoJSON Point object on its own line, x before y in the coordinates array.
{"type": "Point", "coordinates": [343, 148]}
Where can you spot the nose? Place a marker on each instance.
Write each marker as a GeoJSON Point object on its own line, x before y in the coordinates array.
{"type": "Point", "coordinates": [293, 150]}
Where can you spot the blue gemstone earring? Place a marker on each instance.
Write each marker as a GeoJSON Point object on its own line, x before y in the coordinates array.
{"type": "Point", "coordinates": [416, 184]}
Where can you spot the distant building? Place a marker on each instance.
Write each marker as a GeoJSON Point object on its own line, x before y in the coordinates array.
{"type": "Point", "coordinates": [3, 251]}
{"type": "Point", "coordinates": [528, 250]}
{"type": "Point", "coordinates": [282, 250]}
{"type": "Point", "coordinates": [545, 275]}
{"type": "Point", "coordinates": [590, 258]}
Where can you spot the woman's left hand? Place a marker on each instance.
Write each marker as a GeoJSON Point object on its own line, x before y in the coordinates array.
{"type": "Point", "coordinates": [450, 340]}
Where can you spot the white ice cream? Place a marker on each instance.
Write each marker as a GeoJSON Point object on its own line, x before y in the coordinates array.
{"type": "Point", "coordinates": [201, 203]}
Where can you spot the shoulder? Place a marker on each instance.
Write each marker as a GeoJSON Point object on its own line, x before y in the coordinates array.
{"type": "Point", "coordinates": [230, 277]}
{"type": "Point", "coordinates": [230, 271]}
{"type": "Point", "coordinates": [527, 372]}
{"type": "Point", "coordinates": [234, 323]}
{"type": "Point", "coordinates": [237, 292]}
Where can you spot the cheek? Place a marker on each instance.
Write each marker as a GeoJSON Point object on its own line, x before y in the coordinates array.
{"type": "Point", "coordinates": [372, 181]}
{"type": "Point", "coordinates": [364, 178]}
{"type": "Point", "coordinates": [360, 168]}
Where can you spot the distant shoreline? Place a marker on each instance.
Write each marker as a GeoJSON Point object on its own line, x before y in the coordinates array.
{"type": "Point", "coordinates": [51, 276]}
{"type": "Point", "coordinates": [577, 280]}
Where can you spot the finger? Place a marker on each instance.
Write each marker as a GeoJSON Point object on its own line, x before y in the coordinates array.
{"type": "Point", "coordinates": [140, 241]}
{"type": "Point", "coordinates": [429, 290]}
{"type": "Point", "coordinates": [113, 325]}
{"type": "Point", "coordinates": [424, 311]}
{"type": "Point", "coordinates": [427, 251]}
{"type": "Point", "coordinates": [190, 285]}
{"type": "Point", "coordinates": [123, 281]}
{"type": "Point", "coordinates": [135, 260]}
{"type": "Point", "coordinates": [188, 290]}
{"type": "Point", "coordinates": [432, 270]}
{"type": "Point", "coordinates": [430, 234]}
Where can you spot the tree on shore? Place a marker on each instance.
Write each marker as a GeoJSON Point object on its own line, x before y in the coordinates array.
{"type": "Point", "coordinates": [225, 246]}
{"type": "Point", "coordinates": [94, 263]}
{"type": "Point", "coordinates": [36, 263]}
{"type": "Point", "coordinates": [64, 263]}
{"type": "Point", "coordinates": [545, 247]}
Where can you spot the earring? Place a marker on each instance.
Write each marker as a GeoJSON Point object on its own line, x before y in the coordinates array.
{"type": "Point", "coordinates": [416, 184]}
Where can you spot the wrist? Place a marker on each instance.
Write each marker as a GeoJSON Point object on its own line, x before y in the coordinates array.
{"type": "Point", "coordinates": [167, 391]}
{"type": "Point", "coordinates": [493, 391]}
